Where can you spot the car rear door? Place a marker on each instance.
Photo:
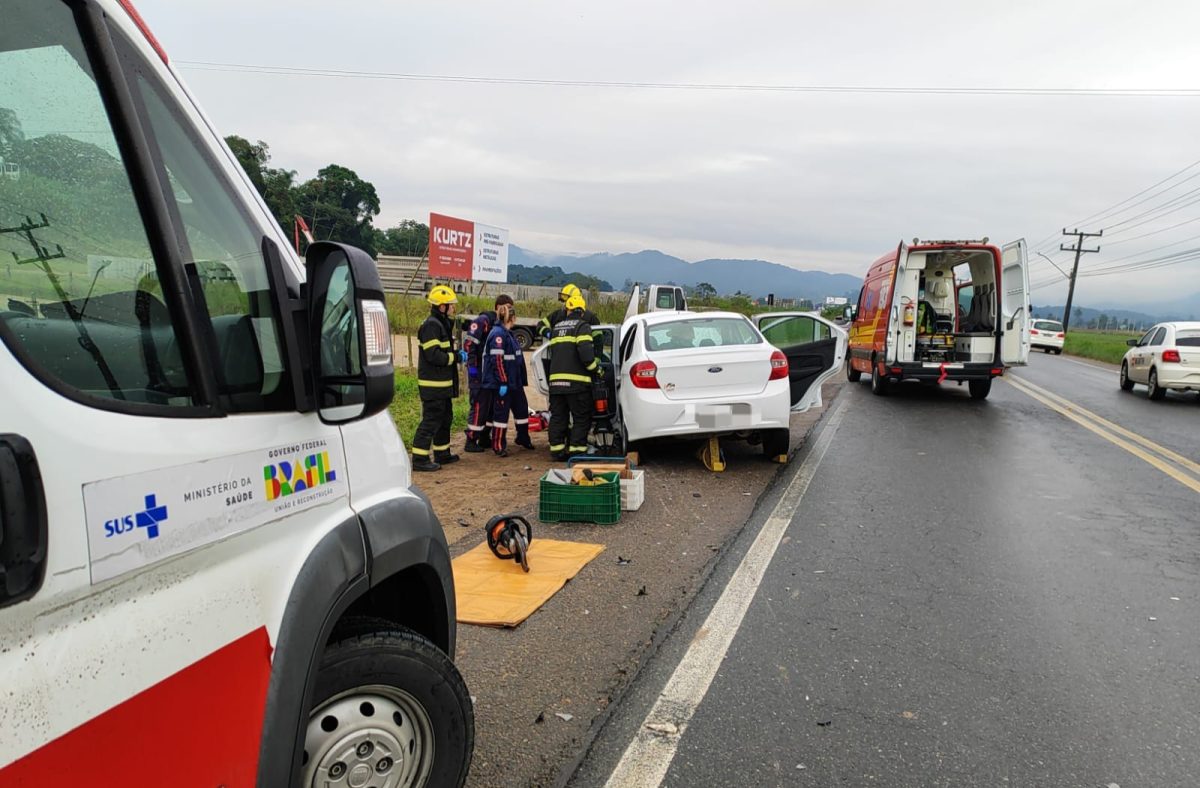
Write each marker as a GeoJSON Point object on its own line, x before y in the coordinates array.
{"type": "Point", "coordinates": [815, 350]}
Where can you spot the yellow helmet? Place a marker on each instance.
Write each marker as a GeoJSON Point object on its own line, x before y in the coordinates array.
{"type": "Point", "coordinates": [441, 295]}
{"type": "Point", "coordinates": [567, 291]}
{"type": "Point", "coordinates": [575, 301]}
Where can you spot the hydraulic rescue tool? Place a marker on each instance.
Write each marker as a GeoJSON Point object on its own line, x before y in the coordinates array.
{"type": "Point", "coordinates": [508, 536]}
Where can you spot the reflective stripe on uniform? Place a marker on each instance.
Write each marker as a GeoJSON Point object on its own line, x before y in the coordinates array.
{"type": "Point", "coordinates": [570, 338]}
{"type": "Point", "coordinates": [578, 448]}
{"type": "Point", "coordinates": [441, 448]}
{"type": "Point", "coordinates": [437, 384]}
{"type": "Point", "coordinates": [593, 365]}
{"type": "Point", "coordinates": [521, 421]}
{"type": "Point", "coordinates": [570, 376]}
{"type": "Point", "coordinates": [420, 452]}
{"type": "Point", "coordinates": [435, 343]}
{"type": "Point", "coordinates": [558, 447]}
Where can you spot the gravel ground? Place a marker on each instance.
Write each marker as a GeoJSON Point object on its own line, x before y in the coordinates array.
{"type": "Point", "coordinates": [576, 655]}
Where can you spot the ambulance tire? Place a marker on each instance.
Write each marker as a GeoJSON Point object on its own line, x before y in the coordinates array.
{"type": "Point", "coordinates": [880, 386]}
{"type": "Point", "coordinates": [853, 375]}
{"type": "Point", "coordinates": [980, 388]}
{"type": "Point", "coordinates": [395, 681]}
{"type": "Point", "coordinates": [775, 443]}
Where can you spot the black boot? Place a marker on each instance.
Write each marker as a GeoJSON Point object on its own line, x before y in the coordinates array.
{"type": "Point", "coordinates": [424, 464]}
{"type": "Point", "coordinates": [473, 448]}
{"type": "Point", "coordinates": [524, 441]}
{"type": "Point", "coordinates": [445, 458]}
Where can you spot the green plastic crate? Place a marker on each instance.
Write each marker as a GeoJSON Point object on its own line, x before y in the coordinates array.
{"type": "Point", "coordinates": [571, 503]}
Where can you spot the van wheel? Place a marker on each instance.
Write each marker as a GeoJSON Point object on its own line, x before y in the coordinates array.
{"type": "Point", "coordinates": [388, 706]}
{"type": "Point", "coordinates": [980, 388]}
{"type": "Point", "coordinates": [853, 375]}
{"type": "Point", "coordinates": [775, 443]}
{"type": "Point", "coordinates": [1155, 391]}
{"type": "Point", "coordinates": [879, 384]}
{"type": "Point", "coordinates": [1126, 383]}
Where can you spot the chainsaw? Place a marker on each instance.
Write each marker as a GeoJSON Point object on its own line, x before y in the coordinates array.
{"type": "Point", "coordinates": [508, 536]}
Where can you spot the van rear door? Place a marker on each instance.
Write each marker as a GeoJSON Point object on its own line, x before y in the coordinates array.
{"type": "Point", "coordinates": [891, 341]}
{"type": "Point", "coordinates": [1014, 304]}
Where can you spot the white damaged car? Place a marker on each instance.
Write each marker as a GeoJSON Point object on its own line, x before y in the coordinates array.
{"type": "Point", "coordinates": [700, 374]}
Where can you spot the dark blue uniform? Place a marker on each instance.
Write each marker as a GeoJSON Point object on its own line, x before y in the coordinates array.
{"type": "Point", "coordinates": [478, 417]}
{"type": "Point", "coordinates": [504, 370]}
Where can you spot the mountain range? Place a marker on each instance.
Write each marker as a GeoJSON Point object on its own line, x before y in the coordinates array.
{"type": "Point", "coordinates": [752, 277]}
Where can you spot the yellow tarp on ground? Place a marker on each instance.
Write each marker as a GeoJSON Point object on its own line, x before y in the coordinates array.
{"type": "Point", "coordinates": [497, 593]}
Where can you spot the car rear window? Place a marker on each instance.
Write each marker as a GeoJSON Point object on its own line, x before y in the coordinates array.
{"type": "Point", "coordinates": [1047, 325]}
{"type": "Point", "coordinates": [1188, 337]}
{"type": "Point", "coordinates": [701, 332]}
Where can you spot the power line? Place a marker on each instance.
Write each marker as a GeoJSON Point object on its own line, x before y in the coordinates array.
{"type": "Point", "coordinates": [249, 68]}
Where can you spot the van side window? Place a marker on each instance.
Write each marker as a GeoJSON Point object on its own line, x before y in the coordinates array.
{"type": "Point", "coordinates": [80, 301]}
{"type": "Point", "coordinates": [225, 247]}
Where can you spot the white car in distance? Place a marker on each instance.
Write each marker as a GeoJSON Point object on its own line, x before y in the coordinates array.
{"type": "Point", "coordinates": [700, 374]}
{"type": "Point", "coordinates": [1047, 335]}
{"type": "Point", "coordinates": [1166, 357]}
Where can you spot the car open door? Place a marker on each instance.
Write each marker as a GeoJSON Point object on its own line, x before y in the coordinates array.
{"type": "Point", "coordinates": [1014, 304]}
{"type": "Point", "coordinates": [815, 350]}
{"type": "Point", "coordinates": [606, 333]}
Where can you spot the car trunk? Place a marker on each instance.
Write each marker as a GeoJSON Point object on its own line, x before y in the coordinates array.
{"type": "Point", "coordinates": [734, 371]}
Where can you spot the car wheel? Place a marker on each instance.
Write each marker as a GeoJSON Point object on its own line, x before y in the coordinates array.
{"type": "Point", "coordinates": [879, 384]}
{"type": "Point", "coordinates": [1126, 383]}
{"type": "Point", "coordinates": [388, 707]}
{"type": "Point", "coordinates": [775, 443]}
{"type": "Point", "coordinates": [524, 337]}
{"type": "Point", "coordinates": [1153, 390]}
{"type": "Point", "coordinates": [853, 375]}
{"type": "Point", "coordinates": [980, 388]}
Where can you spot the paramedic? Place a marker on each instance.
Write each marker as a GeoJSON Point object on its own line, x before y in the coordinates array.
{"type": "Point", "coordinates": [473, 342]}
{"type": "Point", "coordinates": [504, 381]}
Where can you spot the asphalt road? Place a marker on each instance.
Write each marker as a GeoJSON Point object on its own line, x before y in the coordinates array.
{"type": "Point", "coordinates": [968, 593]}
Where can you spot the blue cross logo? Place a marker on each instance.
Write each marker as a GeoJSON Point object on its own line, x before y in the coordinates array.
{"type": "Point", "coordinates": [150, 518]}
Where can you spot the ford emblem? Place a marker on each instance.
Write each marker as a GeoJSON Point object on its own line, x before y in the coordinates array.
{"type": "Point", "coordinates": [714, 369]}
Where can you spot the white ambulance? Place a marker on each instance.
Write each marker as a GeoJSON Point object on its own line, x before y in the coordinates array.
{"type": "Point", "coordinates": [213, 568]}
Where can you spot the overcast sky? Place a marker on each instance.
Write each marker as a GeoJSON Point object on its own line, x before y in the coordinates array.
{"type": "Point", "coordinates": [813, 180]}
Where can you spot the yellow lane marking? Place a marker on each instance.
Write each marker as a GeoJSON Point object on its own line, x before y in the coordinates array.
{"type": "Point", "coordinates": [1136, 451]}
{"type": "Point", "coordinates": [1117, 428]}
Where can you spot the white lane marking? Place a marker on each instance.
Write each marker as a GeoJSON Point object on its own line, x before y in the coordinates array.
{"type": "Point", "coordinates": [648, 757]}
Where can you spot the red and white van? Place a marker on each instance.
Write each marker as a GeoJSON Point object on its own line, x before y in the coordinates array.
{"type": "Point", "coordinates": [213, 568]}
{"type": "Point", "coordinates": [941, 311]}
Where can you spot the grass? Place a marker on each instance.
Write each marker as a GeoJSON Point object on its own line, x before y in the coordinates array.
{"type": "Point", "coordinates": [1102, 346]}
{"type": "Point", "coordinates": [406, 407]}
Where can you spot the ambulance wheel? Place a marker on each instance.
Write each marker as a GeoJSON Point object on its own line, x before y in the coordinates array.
{"type": "Point", "coordinates": [980, 388]}
{"type": "Point", "coordinates": [1126, 383]}
{"type": "Point", "coordinates": [775, 443]}
{"type": "Point", "coordinates": [388, 708]}
{"type": "Point", "coordinates": [879, 384]}
{"type": "Point", "coordinates": [853, 375]}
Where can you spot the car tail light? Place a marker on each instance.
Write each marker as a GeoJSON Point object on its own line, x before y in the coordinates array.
{"type": "Point", "coordinates": [141, 25]}
{"type": "Point", "coordinates": [644, 375]}
{"type": "Point", "coordinates": [1033, 332]}
{"type": "Point", "coordinates": [1171, 355]}
{"type": "Point", "coordinates": [779, 366]}
{"type": "Point", "coordinates": [1059, 335]}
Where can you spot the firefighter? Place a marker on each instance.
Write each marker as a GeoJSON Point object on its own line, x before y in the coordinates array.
{"type": "Point", "coordinates": [504, 381]}
{"type": "Point", "coordinates": [571, 370]}
{"type": "Point", "coordinates": [478, 416]}
{"type": "Point", "coordinates": [437, 381]}
{"type": "Point", "coordinates": [549, 321]}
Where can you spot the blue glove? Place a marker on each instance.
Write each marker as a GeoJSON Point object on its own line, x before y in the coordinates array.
{"type": "Point", "coordinates": [473, 372]}
{"type": "Point", "coordinates": [503, 390]}
{"type": "Point", "coordinates": [462, 356]}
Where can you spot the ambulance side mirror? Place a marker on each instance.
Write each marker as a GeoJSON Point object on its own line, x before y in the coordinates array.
{"type": "Point", "coordinates": [349, 336]}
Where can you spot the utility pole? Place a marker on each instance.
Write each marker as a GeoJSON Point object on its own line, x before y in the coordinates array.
{"type": "Point", "coordinates": [1078, 250]}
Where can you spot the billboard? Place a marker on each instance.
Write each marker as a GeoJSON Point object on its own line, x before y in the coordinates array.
{"type": "Point", "coordinates": [461, 249]}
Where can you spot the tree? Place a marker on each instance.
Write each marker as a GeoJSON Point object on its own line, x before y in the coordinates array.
{"type": "Point", "coordinates": [10, 130]}
{"type": "Point", "coordinates": [277, 186]}
{"type": "Point", "coordinates": [704, 290]}
{"type": "Point", "coordinates": [1102, 321]}
{"type": "Point", "coordinates": [410, 238]}
{"type": "Point", "coordinates": [339, 206]}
